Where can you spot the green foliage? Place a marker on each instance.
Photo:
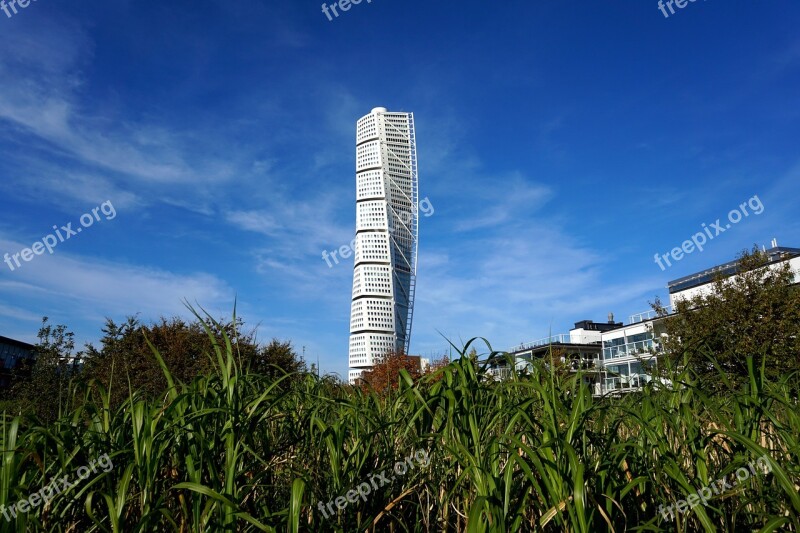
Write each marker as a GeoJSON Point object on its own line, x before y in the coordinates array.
{"type": "Point", "coordinates": [238, 451]}
{"type": "Point", "coordinates": [124, 361]}
{"type": "Point", "coordinates": [756, 313]}
{"type": "Point", "coordinates": [275, 360]}
{"type": "Point", "coordinates": [41, 385]}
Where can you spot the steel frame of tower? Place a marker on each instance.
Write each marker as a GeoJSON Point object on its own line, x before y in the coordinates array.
{"type": "Point", "coordinates": [414, 229]}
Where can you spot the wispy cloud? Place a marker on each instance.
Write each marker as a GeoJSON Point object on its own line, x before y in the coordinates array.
{"type": "Point", "coordinates": [41, 88]}
{"type": "Point", "coordinates": [92, 287]}
{"type": "Point", "coordinates": [502, 199]}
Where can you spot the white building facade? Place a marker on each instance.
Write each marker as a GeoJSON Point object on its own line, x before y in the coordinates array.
{"type": "Point", "coordinates": [630, 352]}
{"type": "Point", "coordinates": [387, 231]}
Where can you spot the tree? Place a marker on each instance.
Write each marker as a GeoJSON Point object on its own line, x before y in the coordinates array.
{"type": "Point", "coordinates": [125, 361]}
{"type": "Point", "coordinates": [125, 356]}
{"type": "Point", "coordinates": [386, 374]}
{"type": "Point", "coordinates": [277, 359]}
{"type": "Point", "coordinates": [754, 313]}
{"type": "Point", "coordinates": [41, 385]}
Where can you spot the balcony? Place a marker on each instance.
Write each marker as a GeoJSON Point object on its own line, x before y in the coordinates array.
{"type": "Point", "coordinates": [563, 338]}
{"type": "Point", "coordinates": [584, 365]}
{"type": "Point", "coordinates": [625, 383]}
{"type": "Point", "coordinates": [647, 315]}
{"type": "Point", "coordinates": [628, 350]}
{"type": "Point", "coordinates": [500, 373]}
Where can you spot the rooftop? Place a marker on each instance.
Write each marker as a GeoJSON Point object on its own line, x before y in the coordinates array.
{"type": "Point", "coordinates": [775, 254]}
{"type": "Point", "coordinates": [14, 342]}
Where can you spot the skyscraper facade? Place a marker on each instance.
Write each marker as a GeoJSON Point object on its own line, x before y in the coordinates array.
{"type": "Point", "coordinates": [387, 229]}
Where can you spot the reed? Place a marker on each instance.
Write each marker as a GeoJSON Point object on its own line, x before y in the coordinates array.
{"type": "Point", "coordinates": [236, 451]}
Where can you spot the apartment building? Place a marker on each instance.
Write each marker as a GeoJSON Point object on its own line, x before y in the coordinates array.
{"type": "Point", "coordinates": [617, 358]}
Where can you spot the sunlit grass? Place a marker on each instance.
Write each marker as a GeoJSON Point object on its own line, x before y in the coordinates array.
{"type": "Point", "coordinates": [235, 451]}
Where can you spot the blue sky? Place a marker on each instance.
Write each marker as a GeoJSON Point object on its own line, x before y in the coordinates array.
{"type": "Point", "coordinates": [562, 145]}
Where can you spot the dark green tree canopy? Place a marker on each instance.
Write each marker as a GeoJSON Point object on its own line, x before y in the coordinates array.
{"type": "Point", "coordinates": [753, 313]}
{"type": "Point", "coordinates": [125, 356]}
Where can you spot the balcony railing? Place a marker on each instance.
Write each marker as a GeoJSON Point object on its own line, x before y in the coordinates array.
{"type": "Point", "coordinates": [587, 365]}
{"type": "Point", "coordinates": [625, 350]}
{"type": "Point", "coordinates": [499, 373]}
{"type": "Point", "coordinates": [622, 383]}
{"type": "Point", "coordinates": [563, 338]}
{"type": "Point", "coordinates": [647, 315]}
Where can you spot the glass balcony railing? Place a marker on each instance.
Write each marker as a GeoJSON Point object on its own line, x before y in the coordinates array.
{"type": "Point", "coordinates": [563, 338]}
{"type": "Point", "coordinates": [636, 381]}
{"type": "Point", "coordinates": [626, 350]}
{"type": "Point", "coordinates": [647, 315]}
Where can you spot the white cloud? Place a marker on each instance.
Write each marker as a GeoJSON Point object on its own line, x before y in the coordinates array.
{"type": "Point", "coordinates": [93, 288]}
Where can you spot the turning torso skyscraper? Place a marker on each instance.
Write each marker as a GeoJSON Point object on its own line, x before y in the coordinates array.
{"type": "Point", "coordinates": [387, 224]}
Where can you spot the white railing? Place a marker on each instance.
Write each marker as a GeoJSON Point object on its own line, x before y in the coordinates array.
{"type": "Point", "coordinates": [647, 315]}
{"type": "Point", "coordinates": [499, 373]}
{"type": "Point", "coordinates": [623, 383]}
{"type": "Point", "coordinates": [625, 350]}
{"type": "Point", "coordinates": [584, 364]}
{"type": "Point", "coordinates": [563, 338]}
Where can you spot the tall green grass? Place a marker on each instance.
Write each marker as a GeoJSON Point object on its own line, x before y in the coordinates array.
{"type": "Point", "coordinates": [234, 451]}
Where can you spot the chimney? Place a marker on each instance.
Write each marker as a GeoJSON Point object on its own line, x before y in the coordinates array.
{"type": "Point", "coordinates": [610, 318]}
